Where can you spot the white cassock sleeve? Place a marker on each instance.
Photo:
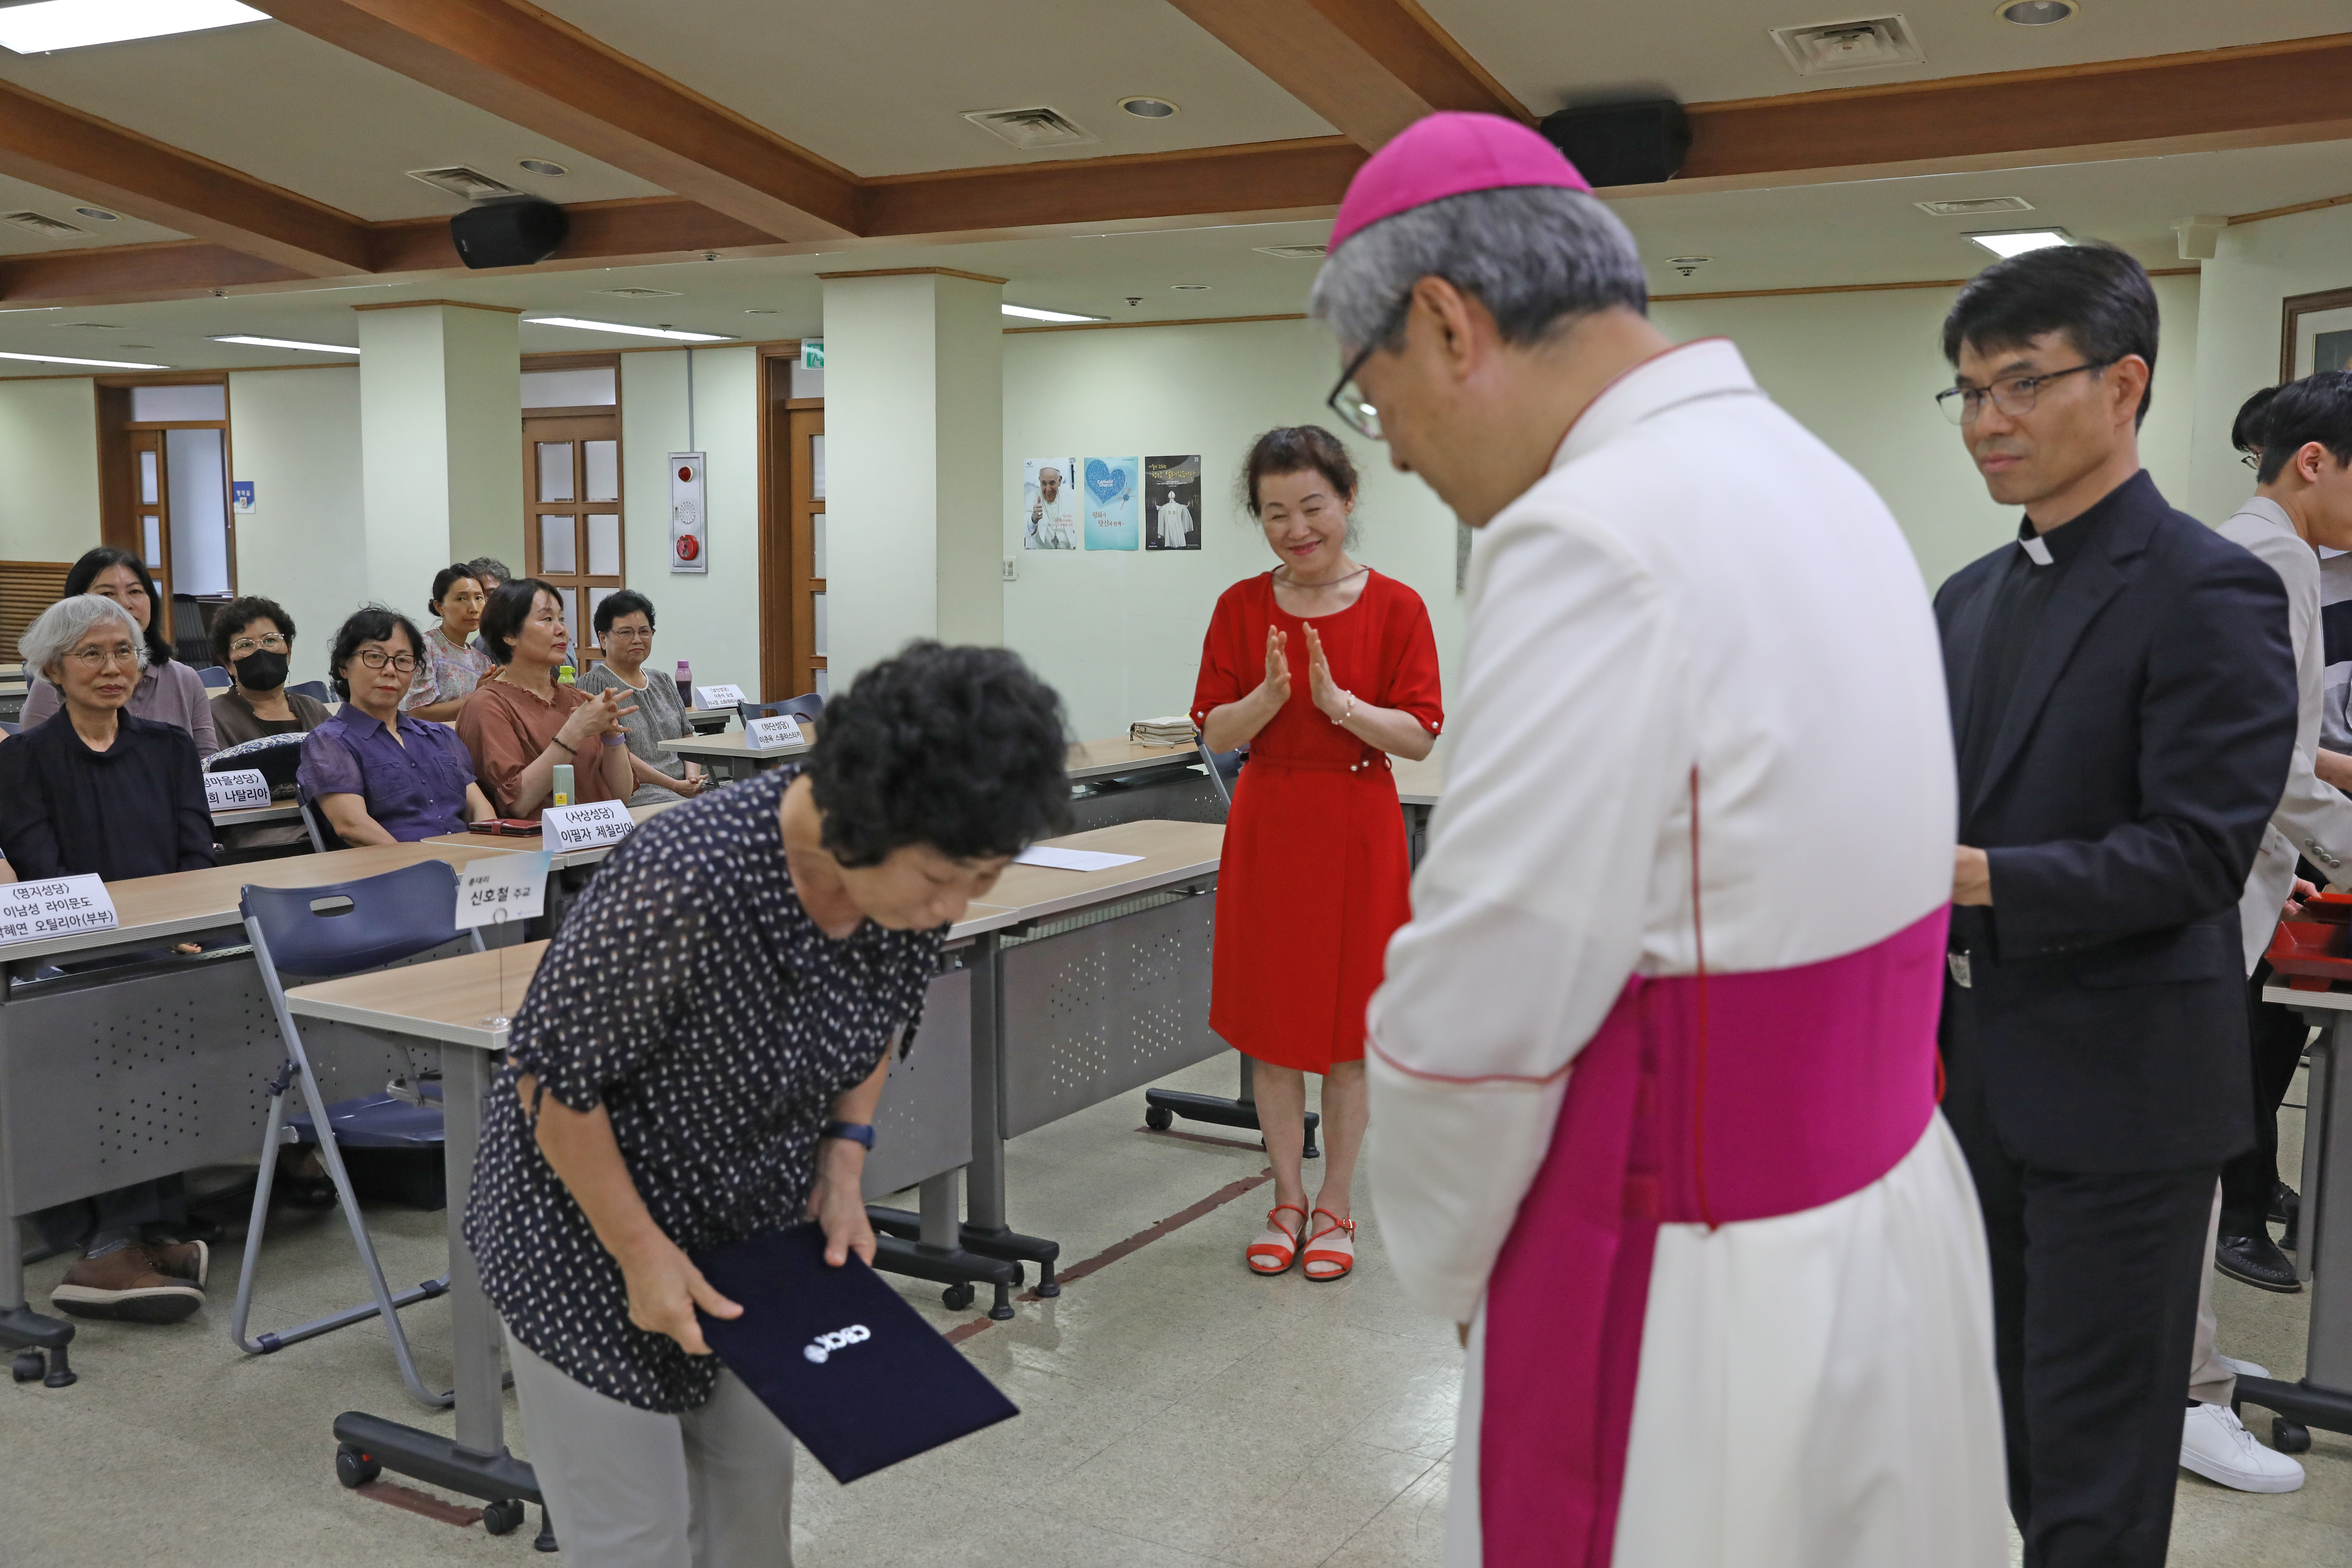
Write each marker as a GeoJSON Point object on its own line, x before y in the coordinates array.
{"type": "Point", "coordinates": [1570, 759]}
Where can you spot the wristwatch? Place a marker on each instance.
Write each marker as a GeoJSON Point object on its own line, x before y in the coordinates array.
{"type": "Point", "coordinates": [855, 1132]}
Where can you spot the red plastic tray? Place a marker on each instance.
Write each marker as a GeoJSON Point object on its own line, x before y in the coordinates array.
{"type": "Point", "coordinates": [2314, 949]}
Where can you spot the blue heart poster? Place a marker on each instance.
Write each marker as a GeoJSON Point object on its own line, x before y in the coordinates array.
{"type": "Point", "coordinates": [1109, 495]}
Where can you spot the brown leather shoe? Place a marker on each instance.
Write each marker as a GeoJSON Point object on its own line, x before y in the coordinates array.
{"type": "Point", "coordinates": [122, 1285]}
{"type": "Point", "coordinates": [189, 1260]}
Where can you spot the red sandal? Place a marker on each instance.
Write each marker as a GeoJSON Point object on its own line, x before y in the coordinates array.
{"type": "Point", "coordinates": [1277, 1257]}
{"type": "Point", "coordinates": [1340, 1263]}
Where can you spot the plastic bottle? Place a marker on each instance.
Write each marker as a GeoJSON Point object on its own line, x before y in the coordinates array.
{"type": "Point", "coordinates": [686, 683]}
{"type": "Point", "coordinates": [566, 675]}
{"type": "Point", "coordinates": [562, 792]}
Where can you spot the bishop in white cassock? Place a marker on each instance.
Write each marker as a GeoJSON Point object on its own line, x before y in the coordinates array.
{"type": "Point", "coordinates": [1652, 1071]}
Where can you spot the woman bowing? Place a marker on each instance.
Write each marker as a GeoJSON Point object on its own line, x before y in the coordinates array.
{"type": "Point", "coordinates": [1324, 669]}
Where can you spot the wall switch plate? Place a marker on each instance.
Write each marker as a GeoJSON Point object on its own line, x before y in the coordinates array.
{"type": "Point", "coordinates": [1011, 569]}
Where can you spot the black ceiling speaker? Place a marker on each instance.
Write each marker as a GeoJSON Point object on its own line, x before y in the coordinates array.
{"type": "Point", "coordinates": [1623, 144]}
{"type": "Point", "coordinates": [509, 234]}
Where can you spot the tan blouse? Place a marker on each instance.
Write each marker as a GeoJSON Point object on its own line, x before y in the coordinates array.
{"type": "Point", "coordinates": [506, 726]}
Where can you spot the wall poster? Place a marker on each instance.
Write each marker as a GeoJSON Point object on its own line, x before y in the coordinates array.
{"type": "Point", "coordinates": [1049, 503]}
{"type": "Point", "coordinates": [1109, 498]}
{"type": "Point", "coordinates": [1171, 502]}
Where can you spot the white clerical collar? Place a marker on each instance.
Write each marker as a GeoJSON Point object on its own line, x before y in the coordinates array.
{"type": "Point", "coordinates": [2037, 550]}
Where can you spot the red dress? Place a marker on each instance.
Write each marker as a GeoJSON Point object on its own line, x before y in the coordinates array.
{"type": "Point", "coordinates": [1315, 877]}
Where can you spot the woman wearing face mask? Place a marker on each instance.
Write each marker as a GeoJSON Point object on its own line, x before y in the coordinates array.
{"type": "Point", "coordinates": [169, 690]}
{"type": "Point", "coordinates": [1324, 669]}
{"type": "Point", "coordinates": [253, 639]}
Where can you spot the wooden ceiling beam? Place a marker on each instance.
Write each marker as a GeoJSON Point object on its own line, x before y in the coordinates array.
{"type": "Point", "coordinates": [1371, 67]}
{"type": "Point", "coordinates": [533, 69]}
{"type": "Point", "coordinates": [48, 144]}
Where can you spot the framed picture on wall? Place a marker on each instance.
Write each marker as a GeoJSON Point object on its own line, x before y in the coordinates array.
{"type": "Point", "coordinates": [2314, 333]}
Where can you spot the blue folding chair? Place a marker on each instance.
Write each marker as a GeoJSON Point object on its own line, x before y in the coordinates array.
{"type": "Point", "coordinates": [315, 689]}
{"type": "Point", "coordinates": [323, 933]}
{"type": "Point", "coordinates": [216, 678]}
{"type": "Point", "coordinates": [807, 706]}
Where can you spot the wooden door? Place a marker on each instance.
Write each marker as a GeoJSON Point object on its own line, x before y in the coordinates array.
{"type": "Point", "coordinates": [791, 531]}
{"type": "Point", "coordinates": [573, 526]}
{"type": "Point", "coordinates": [150, 514]}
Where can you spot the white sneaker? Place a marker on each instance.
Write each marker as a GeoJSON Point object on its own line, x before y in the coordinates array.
{"type": "Point", "coordinates": [2241, 1368]}
{"type": "Point", "coordinates": [2216, 1444]}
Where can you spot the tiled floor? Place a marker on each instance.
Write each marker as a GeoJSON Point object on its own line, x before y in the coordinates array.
{"type": "Point", "coordinates": [1175, 1410]}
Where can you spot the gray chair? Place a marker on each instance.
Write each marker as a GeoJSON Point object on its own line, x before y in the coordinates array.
{"type": "Point", "coordinates": [808, 707]}
{"type": "Point", "coordinates": [314, 690]}
{"type": "Point", "coordinates": [216, 678]}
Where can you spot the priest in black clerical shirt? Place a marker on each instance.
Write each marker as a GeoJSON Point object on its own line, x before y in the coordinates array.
{"type": "Point", "coordinates": [2122, 694]}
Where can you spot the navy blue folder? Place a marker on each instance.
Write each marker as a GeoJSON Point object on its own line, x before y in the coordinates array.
{"type": "Point", "coordinates": [847, 1365]}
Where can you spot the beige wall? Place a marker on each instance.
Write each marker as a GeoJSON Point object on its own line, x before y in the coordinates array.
{"type": "Point", "coordinates": [711, 620]}
{"type": "Point", "coordinates": [49, 449]}
{"type": "Point", "coordinates": [295, 434]}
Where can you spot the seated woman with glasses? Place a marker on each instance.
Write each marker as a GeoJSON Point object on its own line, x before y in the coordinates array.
{"type": "Point", "coordinates": [379, 775]}
{"type": "Point", "coordinates": [96, 790]}
{"type": "Point", "coordinates": [624, 626]}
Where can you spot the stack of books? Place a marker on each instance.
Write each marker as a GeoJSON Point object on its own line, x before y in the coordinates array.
{"type": "Point", "coordinates": [1175, 731]}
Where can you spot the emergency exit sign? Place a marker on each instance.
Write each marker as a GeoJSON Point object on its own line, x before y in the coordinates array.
{"type": "Point", "coordinates": [812, 354]}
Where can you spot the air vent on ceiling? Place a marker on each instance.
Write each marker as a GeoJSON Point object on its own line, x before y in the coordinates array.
{"type": "Point", "coordinates": [467, 184]}
{"type": "Point", "coordinates": [1293, 252]}
{"type": "Point", "coordinates": [1030, 129]}
{"type": "Point", "coordinates": [1976, 207]}
{"type": "Point", "coordinates": [639, 293]}
{"type": "Point", "coordinates": [43, 224]}
{"type": "Point", "coordinates": [1830, 47]}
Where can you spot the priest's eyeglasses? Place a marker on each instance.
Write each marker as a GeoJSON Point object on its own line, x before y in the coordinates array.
{"type": "Point", "coordinates": [1354, 409]}
{"type": "Point", "coordinates": [2013, 396]}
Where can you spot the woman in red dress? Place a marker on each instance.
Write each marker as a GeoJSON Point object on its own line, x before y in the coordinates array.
{"type": "Point", "coordinates": [1324, 669]}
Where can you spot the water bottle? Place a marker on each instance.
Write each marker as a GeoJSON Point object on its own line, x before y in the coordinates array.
{"type": "Point", "coordinates": [684, 683]}
{"type": "Point", "coordinates": [562, 792]}
{"type": "Point", "coordinates": [565, 674]}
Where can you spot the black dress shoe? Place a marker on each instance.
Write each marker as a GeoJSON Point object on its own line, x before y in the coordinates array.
{"type": "Point", "coordinates": [2287, 1209]}
{"type": "Point", "coordinates": [2256, 1260]}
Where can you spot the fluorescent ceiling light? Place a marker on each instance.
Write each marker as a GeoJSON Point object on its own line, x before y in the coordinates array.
{"type": "Point", "coordinates": [50, 25]}
{"type": "Point", "coordinates": [631, 331]}
{"type": "Point", "coordinates": [287, 344]}
{"type": "Point", "coordinates": [96, 363]}
{"type": "Point", "coordinates": [2018, 241]}
{"type": "Point", "coordinates": [1033, 315]}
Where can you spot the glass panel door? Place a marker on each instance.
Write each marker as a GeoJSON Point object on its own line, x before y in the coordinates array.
{"type": "Point", "coordinates": [573, 463]}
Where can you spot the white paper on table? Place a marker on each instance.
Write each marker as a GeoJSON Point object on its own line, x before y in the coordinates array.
{"type": "Point", "coordinates": [1072, 859]}
{"type": "Point", "coordinates": [243, 790]}
{"type": "Point", "coordinates": [500, 888]}
{"type": "Point", "coordinates": [58, 906]}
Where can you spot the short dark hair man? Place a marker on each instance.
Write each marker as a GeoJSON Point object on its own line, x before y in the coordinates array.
{"type": "Point", "coordinates": [2123, 697]}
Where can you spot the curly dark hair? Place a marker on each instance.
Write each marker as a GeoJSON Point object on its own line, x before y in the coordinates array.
{"type": "Point", "coordinates": [241, 612]}
{"type": "Point", "coordinates": [624, 601]}
{"type": "Point", "coordinates": [369, 623]}
{"type": "Point", "coordinates": [504, 616]}
{"type": "Point", "coordinates": [159, 615]}
{"type": "Point", "coordinates": [1298, 449]}
{"type": "Point", "coordinates": [959, 748]}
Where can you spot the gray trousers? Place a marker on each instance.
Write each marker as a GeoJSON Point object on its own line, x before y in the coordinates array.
{"type": "Point", "coordinates": [2209, 1382]}
{"type": "Point", "coordinates": [630, 1489]}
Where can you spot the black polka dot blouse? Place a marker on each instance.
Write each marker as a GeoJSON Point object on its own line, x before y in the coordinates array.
{"type": "Point", "coordinates": [689, 993]}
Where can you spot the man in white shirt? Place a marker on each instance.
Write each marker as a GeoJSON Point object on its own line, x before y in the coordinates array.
{"type": "Point", "coordinates": [1054, 515]}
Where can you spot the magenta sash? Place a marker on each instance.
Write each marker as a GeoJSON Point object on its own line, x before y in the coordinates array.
{"type": "Point", "coordinates": [1812, 1083]}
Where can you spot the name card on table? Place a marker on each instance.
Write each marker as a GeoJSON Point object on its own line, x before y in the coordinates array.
{"type": "Point", "coordinates": [59, 907]}
{"type": "Point", "coordinates": [719, 696]}
{"type": "Point", "coordinates": [765, 734]}
{"type": "Point", "coordinates": [242, 790]}
{"type": "Point", "coordinates": [569, 827]}
{"type": "Point", "coordinates": [500, 888]}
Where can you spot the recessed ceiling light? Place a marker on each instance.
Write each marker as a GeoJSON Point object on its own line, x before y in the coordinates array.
{"type": "Point", "coordinates": [1975, 206]}
{"type": "Point", "coordinates": [1190, 288]}
{"type": "Point", "coordinates": [286, 344]}
{"type": "Point", "coordinates": [2035, 13]}
{"type": "Point", "coordinates": [101, 214]}
{"type": "Point", "coordinates": [1293, 252]}
{"type": "Point", "coordinates": [631, 294]}
{"type": "Point", "coordinates": [94, 363]}
{"type": "Point", "coordinates": [1036, 315]}
{"type": "Point", "coordinates": [50, 25]}
{"type": "Point", "coordinates": [541, 166]}
{"type": "Point", "coordinates": [1147, 108]}
{"type": "Point", "coordinates": [2018, 241]}
{"type": "Point", "coordinates": [761, 310]}
{"type": "Point", "coordinates": [628, 331]}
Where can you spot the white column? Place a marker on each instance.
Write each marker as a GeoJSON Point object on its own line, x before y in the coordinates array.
{"type": "Point", "coordinates": [914, 424]}
{"type": "Point", "coordinates": [440, 442]}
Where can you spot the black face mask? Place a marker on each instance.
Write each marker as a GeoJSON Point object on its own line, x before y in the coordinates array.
{"type": "Point", "coordinates": [261, 671]}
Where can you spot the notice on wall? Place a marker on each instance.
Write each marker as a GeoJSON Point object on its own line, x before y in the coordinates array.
{"type": "Point", "coordinates": [1049, 503]}
{"type": "Point", "coordinates": [597, 826]}
{"type": "Point", "coordinates": [243, 789]}
{"type": "Point", "coordinates": [59, 907]}
{"type": "Point", "coordinates": [240, 495]}
{"type": "Point", "coordinates": [690, 540]}
{"type": "Point", "coordinates": [1109, 495]}
{"type": "Point", "coordinates": [1171, 502]}
{"type": "Point", "coordinates": [496, 889]}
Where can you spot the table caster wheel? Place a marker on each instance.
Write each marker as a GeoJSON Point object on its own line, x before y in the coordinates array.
{"type": "Point", "coordinates": [27, 1366]}
{"type": "Point", "coordinates": [1159, 1118]}
{"type": "Point", "coordinates": [957, 1297]}
{"type": "Point", "coordinates": [503, 1517]}
{"type": "Point", "coordinates": [2288, 1436]}
{"type": "Point", "coordinates": [354, 1467]}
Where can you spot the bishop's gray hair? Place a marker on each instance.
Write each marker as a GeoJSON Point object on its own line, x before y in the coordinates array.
{"type": "Point", "coordinates": [61, 627]}
{"type": "Point", "coordinates": [1537, 257]}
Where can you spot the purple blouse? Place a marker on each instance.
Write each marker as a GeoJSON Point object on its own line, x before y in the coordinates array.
{"type": "Point", "coordinates": [173, 693]}
{"type": "Point", "coordinates": [413, 791]}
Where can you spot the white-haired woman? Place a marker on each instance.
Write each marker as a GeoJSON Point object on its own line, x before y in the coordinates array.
{"type": "Point", "coordinates": [93, 789]}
